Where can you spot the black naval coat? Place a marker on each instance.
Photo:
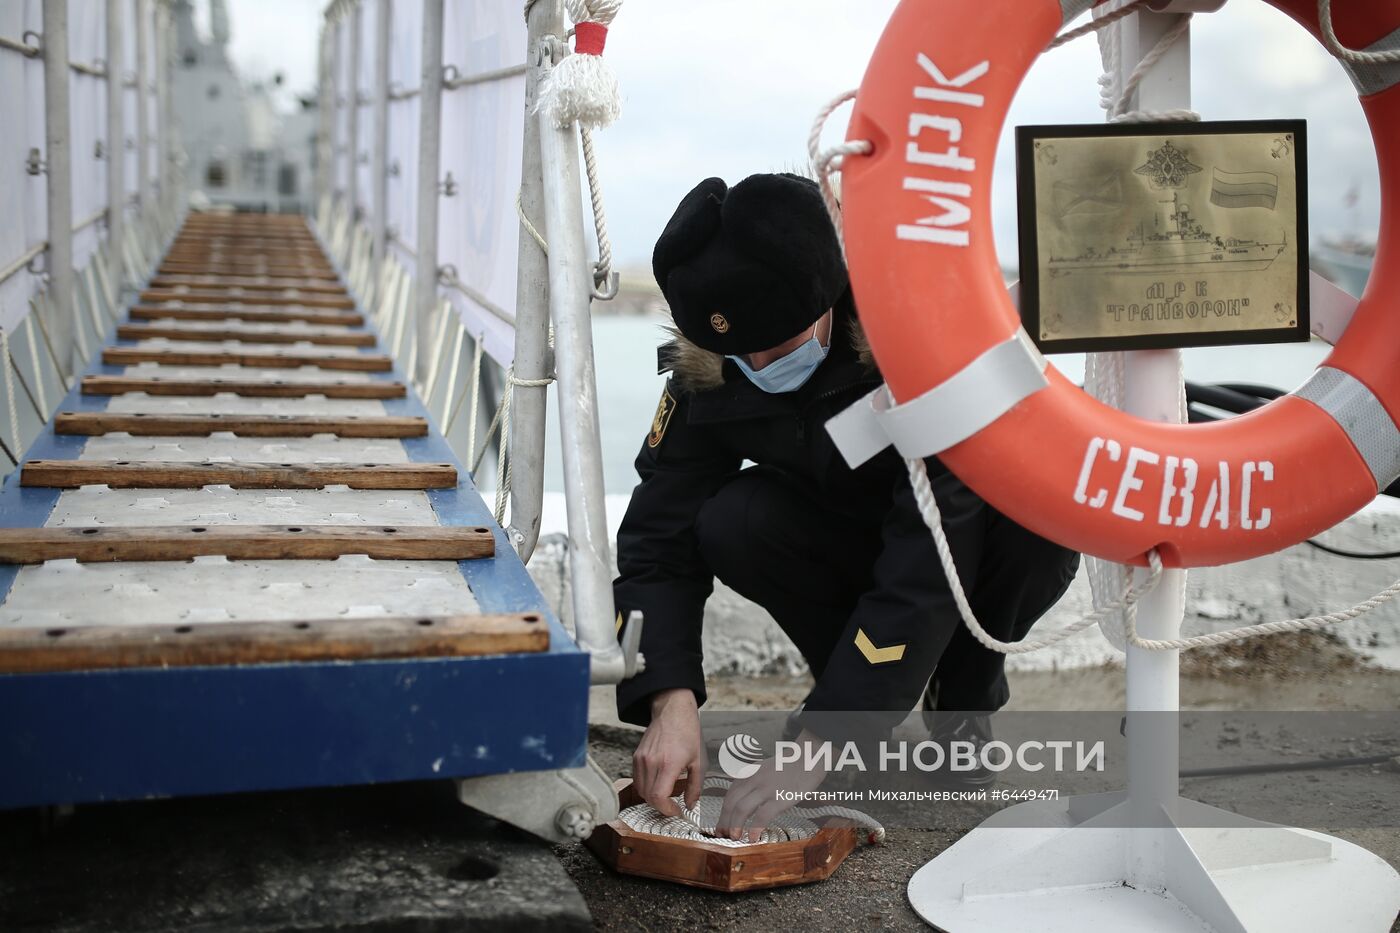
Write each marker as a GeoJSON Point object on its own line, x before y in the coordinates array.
{"type": "Point", "coordinates": [710, 422]}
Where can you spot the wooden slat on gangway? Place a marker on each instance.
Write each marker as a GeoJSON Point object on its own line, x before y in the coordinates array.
{"type": "Point", "coordinates": [264, 388]}
{"type": "Point", "coordinates": [176, 311]}
{"type": "Point", "coordinates": [362, 362]}
{"type": "Point", "coordinates": [175, 474]}
{"type": "Point", "coordinates": [143, 424]}
{"type": "Point", "coordinates": [99, 647]}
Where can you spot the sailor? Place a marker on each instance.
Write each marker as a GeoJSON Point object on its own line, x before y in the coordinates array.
{"type": "Point", "coordinates": [740, 482]}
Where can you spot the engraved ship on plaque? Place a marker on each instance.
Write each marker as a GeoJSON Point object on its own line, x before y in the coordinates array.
{"type": "Point", "coordinates": [1185, 246]}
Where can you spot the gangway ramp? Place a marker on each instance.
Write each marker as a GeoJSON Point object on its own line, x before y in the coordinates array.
{"type": "Point", "coordinates": [242, 557]}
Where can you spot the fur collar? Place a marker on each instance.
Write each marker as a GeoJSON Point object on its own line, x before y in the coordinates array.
{"type": "Point", "coordinates": [697, 369]}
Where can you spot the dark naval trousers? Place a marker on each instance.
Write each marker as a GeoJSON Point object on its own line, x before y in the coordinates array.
{"type": "Point", "coordinates": [776, 544]}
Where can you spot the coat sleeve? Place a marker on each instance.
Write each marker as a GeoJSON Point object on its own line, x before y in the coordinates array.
{"type": "Point", "coordinates": [660, 568]}
{"type": "Point", "coordinates": [902, 624]}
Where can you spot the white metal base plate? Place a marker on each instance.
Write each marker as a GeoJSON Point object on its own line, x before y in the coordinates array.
{"type": "Point", "coordinates": [1043, 872]}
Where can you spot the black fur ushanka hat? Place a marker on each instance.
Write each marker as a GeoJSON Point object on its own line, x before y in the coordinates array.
{"type": "Point", "coordinates": [749, 267]}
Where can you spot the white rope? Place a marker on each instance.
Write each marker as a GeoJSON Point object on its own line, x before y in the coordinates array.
{"type": "Point", "coordinates": [933, 518]}
{"type": "Point", "coordinates": [1308, 624]}
{"type": "Point", "coordinates": [1334, 45]}
{"type": "Point", "coordinates": [529, 227]}
{"type": "Point", "coordinates": [1120, 113]}
{"type": "Point", "coordinates": [9, 365]}
{"type": "Point", "coordinates": [826, 163]}
{"type": "Point", "coordinates": [503, 474]}
{"type": "Point", "coordinates": [699, 825]}
{"type": "Point", "coordinates": [602, 269]}
{"type": "Point", "coordinates": [593, 11]}
{"type": "Point", "coordinates": [1107, 19]}
{"type": "Point", "coordinates": [501, 420]}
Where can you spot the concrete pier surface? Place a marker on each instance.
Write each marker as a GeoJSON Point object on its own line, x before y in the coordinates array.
{"type": "Point", "coordinates": [405, 857]}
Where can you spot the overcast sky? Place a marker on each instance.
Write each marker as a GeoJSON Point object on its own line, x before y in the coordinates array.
{"type": "Point", "coordinates": [730, 87]}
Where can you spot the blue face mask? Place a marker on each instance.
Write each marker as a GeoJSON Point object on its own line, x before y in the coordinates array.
{"type": "Point", "coordinates": [788, 373]}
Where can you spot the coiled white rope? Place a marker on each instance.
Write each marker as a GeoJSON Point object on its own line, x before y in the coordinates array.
{"type": "Point", "coordinates": [698, 825]}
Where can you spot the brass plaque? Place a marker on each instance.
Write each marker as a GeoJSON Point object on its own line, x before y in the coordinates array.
{"type": "Point", "coordinates": [1139, 236]}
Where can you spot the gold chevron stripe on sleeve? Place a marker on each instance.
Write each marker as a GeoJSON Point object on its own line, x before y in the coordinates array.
{"type": "Point", "coordinates": [877, 655]}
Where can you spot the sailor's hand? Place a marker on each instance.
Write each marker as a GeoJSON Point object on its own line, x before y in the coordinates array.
{"type": "Point", "coordinates": [672, 744]}
{"type": "Point", "coordinates": [753, 803]}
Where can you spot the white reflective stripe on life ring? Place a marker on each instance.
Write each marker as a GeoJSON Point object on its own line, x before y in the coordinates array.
{"type": "Point", "coordinates": [1361, 415]}
{"type": "Point", "coordinates": [947, 414]}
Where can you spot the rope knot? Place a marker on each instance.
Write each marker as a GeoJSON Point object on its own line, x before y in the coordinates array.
{"type": "Point", "coordinates": [582, 88]}
{"type": "Point", "coordinates": [589, 38]}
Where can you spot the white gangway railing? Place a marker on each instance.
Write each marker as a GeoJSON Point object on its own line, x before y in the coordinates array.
{"type": "Point", "coordinates": [438, 202]}
{"type": "Point", "coordinates": [88, 137]}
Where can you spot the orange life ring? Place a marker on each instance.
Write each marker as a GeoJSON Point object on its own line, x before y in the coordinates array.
{"type": "Point", "coordinates": [932, 302]}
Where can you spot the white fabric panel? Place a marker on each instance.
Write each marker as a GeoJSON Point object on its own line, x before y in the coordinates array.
{"type": "Point", "coordinates": [22, 115]}
{"type": "Point", "coordinates": [482, 36]}
{"type": "Point", "coordinates": [482, 134]}
{"type": "Point", "coordinates": [405, 66]}
{"type": "Point", "coordinates": [130, 99]}
{"type": "Point", "coordinates": [36, 205]}
{"type": "Point", "coordinates": [85, 243]}
{"type": "Point", "coordinates": [405, 44]}
{"type": "Point", "coordinates": [364, 145]}
{"type": "Point", "coordinates": [402, 159]}
{"type": "Point", "coordinates": [343, 97]}
{"type": "Point", "coordinates": [87, 45]}
{"type": "Point", "coordinates": [21, 195]}
{"type": "Point", "coordinates": [152, 102]}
